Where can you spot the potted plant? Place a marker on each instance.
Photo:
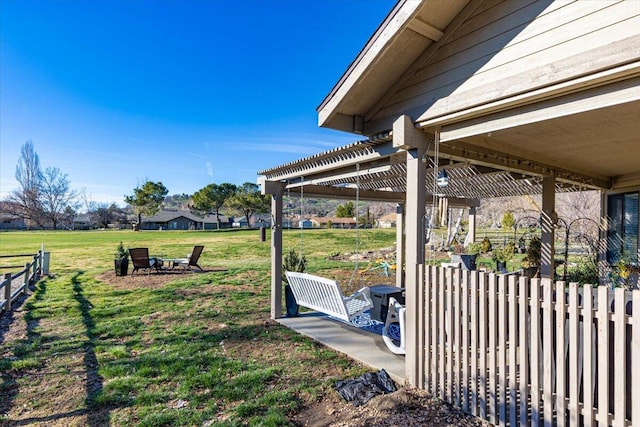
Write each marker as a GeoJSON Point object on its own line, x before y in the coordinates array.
{"type": "Point", "coordinates": [121, 261]}
{"type": "Point", "coordinates": [628, 274]}
{"type": "Point", "coordinates": [466, 256]}
{"type": "Point", "coordinates": [533, 258]}
{"type": "Point", "coordinates": [486, 246]}
{"type": "Point", "coordinates": [292, 262]}
{"type": "Point", "coordinates": [502, 255]}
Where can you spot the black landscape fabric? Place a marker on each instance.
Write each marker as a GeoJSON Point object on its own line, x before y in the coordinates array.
{"type": "Point", "coordinates": [360, 390]}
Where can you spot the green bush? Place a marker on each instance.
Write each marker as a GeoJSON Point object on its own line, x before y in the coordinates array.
{"type": "Point", "coordinates": [485, 245]}
{"type": "Point", "coordinates": [293, 262]}
{"type": "Point", "coordinates": [503, 253]}
{"type": "Point", "coordinates": [533, 257]}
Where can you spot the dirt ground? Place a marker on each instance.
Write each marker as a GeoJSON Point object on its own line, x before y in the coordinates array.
{"type": "Point", "coordinates": [404, 407]}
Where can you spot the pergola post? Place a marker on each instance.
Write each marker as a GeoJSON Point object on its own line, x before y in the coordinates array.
{"type": "Point", "coordinates": [276, 190]}
{"type": "Point", "coordinates": [472, 224]}
{"type": "Point", "coordinates": [406, 136]}
{"type": "Point", "coordinates": [400, 244]}
{"type": "Point", "coordinates": [549, 220]}
{"type": "Point", "coordinates": [603, 266]}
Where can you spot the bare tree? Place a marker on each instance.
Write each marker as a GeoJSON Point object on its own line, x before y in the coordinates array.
{"type": "Point", "coordinates": [106, 214]}
{"type": "Point", "coordinates": [58, 200]}
{"type": "Point", "coordinates": [25, 201]}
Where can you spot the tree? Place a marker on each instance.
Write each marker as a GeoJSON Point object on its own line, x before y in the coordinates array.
{"type": "Point", "coordinates": [106, 214]}
{"type": "Point", "coordinates": [57, 197]}
{"type": "Point", "coordinates": [249, 201]}
{"type": "Point", "coordinates": [508, 220]}
{"type": "Point", "coordinates": [25, 202]}
{"type": "Point", "coordinates": [366, 220]}
{"type": "Point", "coordinates": [212, 197]}
{"type": "Point", "coordinates": [346, 211]}
{"type": "Point", "coordinates": [147, 199]}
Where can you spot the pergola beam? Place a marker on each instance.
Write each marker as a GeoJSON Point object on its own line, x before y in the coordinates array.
{"type": "Point", "coordinates": [500, 160]}
{"type": "Point", "coordinates": [326, 192]}
{"type": "Point", "coordinates": [332, 161]}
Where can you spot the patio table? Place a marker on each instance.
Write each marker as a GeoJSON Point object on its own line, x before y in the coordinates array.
{"type": "Point", "coordinates": [171, 262]}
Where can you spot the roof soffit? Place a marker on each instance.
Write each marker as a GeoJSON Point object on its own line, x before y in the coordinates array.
{"type": "Point", "coordinates": [408, 30]}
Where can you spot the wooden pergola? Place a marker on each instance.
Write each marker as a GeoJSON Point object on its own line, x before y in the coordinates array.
{"type": "Point", "coordinates": [376, 169]}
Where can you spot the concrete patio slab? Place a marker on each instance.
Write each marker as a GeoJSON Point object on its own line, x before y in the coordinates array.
{"type": "Point", "coordinates": [365, 347]}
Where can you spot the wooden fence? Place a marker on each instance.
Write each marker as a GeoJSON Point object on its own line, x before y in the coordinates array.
{"type": "Point", "coordinates": [12, 285]}
{"type": "Point", "coordinates": [519, 351]}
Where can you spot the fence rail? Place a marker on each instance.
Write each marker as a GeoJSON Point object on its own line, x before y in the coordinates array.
{"type": "Point", "coordinates": [11, 287]}
{"type": "Point", "coordinates": [520, 351]}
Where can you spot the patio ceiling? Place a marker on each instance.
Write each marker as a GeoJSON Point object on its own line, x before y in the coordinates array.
{"type": "Point", "coordinates": [597, 144]}
{"type": "Point", "coordinates": [374, 170]}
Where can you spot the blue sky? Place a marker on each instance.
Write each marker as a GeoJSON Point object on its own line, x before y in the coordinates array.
{"type": "Point", "coordinates": [187, 92]}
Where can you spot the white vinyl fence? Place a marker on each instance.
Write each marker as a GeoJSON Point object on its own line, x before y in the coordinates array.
{"type": "Point", "coordinates": [519, 351]}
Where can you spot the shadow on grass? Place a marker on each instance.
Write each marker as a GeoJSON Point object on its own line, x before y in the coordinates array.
{"type": "Point", "coordinates": [30, 347]}
{"type": "Point", "coordinates": [22, 350]}
{"type": "Point", "coordinates": [94, 382]}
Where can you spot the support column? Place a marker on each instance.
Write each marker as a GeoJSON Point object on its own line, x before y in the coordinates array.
{"type": "Point", "coordinates": [603, 266]}
{"type": "Point", "coordinates": [471, 235]}
{"type": "Point", "coordinates": [400, 245]}
{"type": "Point", "coordinates": [549, 220]}
{"type": "Point", "coordinates": [405, 135]}
{"type": "Point", "coordinates": [276, 190]}
{"type": "Point", "coordinates": [443, 212]}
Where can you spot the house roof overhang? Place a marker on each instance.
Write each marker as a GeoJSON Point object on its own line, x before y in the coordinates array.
{"type": "Point", "coordinates": [410, 28]}
{"type": "Point", "coordinates": [584, 130]}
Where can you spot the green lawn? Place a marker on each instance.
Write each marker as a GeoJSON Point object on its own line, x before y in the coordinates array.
{"type": "Point", "coordinates": [198, 349]}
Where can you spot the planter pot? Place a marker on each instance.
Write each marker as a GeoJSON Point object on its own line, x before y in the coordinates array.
{"type": "Point", "coordinates": [468, 262]}
{"type": "Point", "coordinates": [121, 266]}
{"type": "Point", "coordinates": [530, 272]}
{"type": "Point", "coordinates": [290, 302]}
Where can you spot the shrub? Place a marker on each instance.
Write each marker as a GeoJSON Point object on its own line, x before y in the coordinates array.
{"type": "Point", "coordinates": [503, 253]}
{"type": "Point", "coordinates": [485, 245]}
{"type": "Point", "coordinates": [293, 262]}
{"type": "Point", "coordinates": [533, 257]}
{"type": "Point", "coordinates": [121, 252]}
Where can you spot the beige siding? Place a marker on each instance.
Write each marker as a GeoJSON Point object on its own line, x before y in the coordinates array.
{"type": "Point", "coordinates": [512, 47]}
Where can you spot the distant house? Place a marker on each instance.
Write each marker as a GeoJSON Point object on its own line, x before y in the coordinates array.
{"type": "Point", "coordinates": [82, 222]}
{"type": "Point", "coordinates": [258, 222]}
{"type": "Point", "coordinates": [388, 221]}
{"type": "Point", "coordinates": [11, 222]}
{"type": "Point", "coordinates": [182, 220]}
{"type": "Point", "coordinates": [305, 223]}
{"type": "Point", "coordinates": [333, 222]}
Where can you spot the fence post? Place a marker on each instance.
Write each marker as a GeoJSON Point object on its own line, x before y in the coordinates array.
{"type": "Point", "coordinates": [40, 261]}
{"type": "Point", "coordinates": [34, 268]}
{"type": "Point", "coordinates": [7, 292]}
{"type": "Point", "coordinates": [45, 263]}
{"type": "Point", "coordinates": [27, 267]}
